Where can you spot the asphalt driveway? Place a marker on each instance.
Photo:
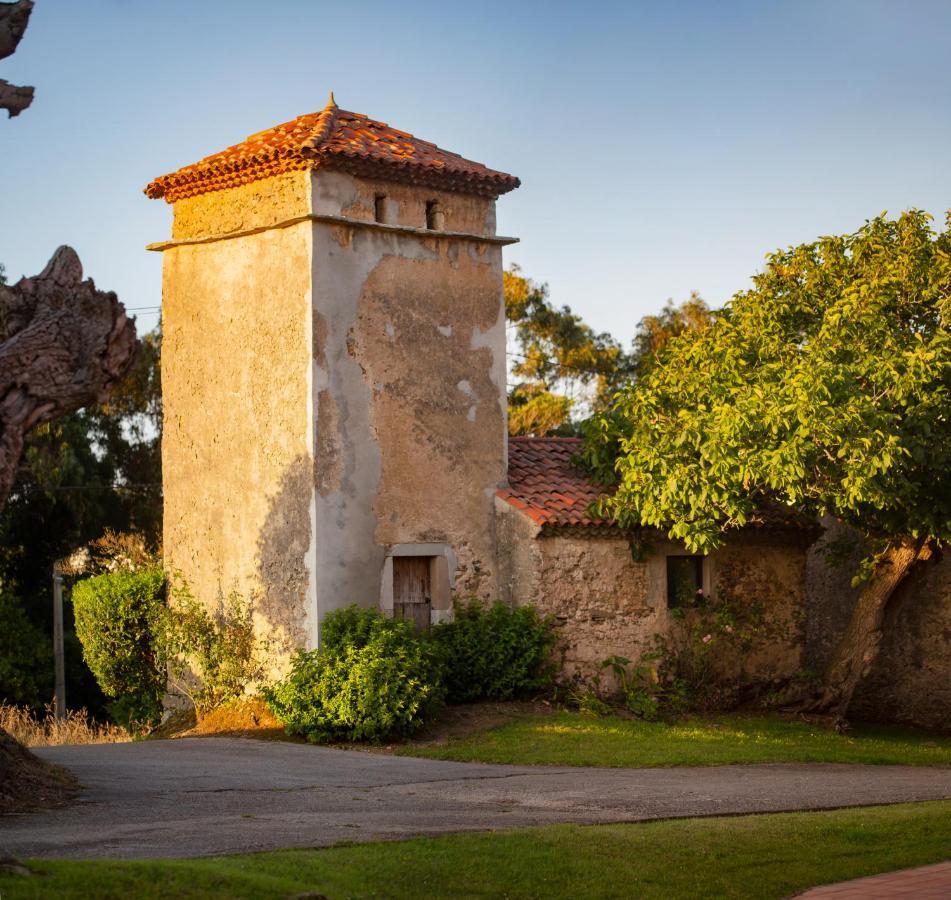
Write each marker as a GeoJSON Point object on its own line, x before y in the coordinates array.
{"type": "Point", "coordinates": [200, 796]}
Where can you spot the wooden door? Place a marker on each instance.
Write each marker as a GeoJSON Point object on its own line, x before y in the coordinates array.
{"type": "Point", "coordinates": [412, 597]}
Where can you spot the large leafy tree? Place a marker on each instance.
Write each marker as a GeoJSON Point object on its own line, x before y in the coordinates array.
{"type": "Point", "coordinates": [562, 369]}
{"type": "Point", "coordinates": [560, 365]}
{"type": "Point", "coordinates": [654, 331]}
{"type": "Point", "coordinates": [827, 387]}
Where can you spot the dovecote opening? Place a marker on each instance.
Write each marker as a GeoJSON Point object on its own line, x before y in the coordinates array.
{"type": "Point", "coordinates": [435, 218]}
{"type": "Point", "coordinates": [379, 208]}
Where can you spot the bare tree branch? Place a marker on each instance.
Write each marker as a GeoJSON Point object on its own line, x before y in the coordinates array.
{"type": "Point", "coordinates": [14, 18]}
{"type": "Point", "coordinates": [13, 98]}
{"type": "Point", "coordinates": [63, 345]}
{"type": "Point", "coordinates": [13, 21]}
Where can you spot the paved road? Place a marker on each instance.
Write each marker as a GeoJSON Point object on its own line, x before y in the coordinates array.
{"type": "Point", "coordinates": [201, 796]}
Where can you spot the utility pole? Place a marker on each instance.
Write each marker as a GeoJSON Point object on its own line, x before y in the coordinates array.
{"type": "Point", "coordinates": [59, 697]}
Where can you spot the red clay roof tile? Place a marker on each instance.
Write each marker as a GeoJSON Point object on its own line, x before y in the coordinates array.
{"type": "Point", "coordinates": [548, 487]}
{"type": "Point", "coordinates": [338, 139]}
{"type": "Point", "coordinates": [543, 482]}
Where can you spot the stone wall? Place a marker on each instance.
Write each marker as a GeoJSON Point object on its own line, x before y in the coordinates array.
{"type": "Point", "coordinates": [911, 679]}
{"type": "Point", "coordinates": [605, 602]}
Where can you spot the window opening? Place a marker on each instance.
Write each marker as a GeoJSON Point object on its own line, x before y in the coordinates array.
{"type": "Point", "coordinates": [684, 581]}
{"type": "Point", "coordinates": [435, 218]}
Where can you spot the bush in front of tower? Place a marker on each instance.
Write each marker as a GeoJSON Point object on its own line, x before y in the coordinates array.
{"type": "Point", "coordinates": [495, 653]}
{"type": "Point", "coordinates": [374, 679]}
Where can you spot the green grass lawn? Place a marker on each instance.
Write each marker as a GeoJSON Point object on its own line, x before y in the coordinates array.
{"type": "Point", "coordinates": [574, 739]}
{"type": "Point", "coordinates": [750, 856]}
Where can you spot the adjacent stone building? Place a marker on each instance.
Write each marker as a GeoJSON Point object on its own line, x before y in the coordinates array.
{"type": "Point", "coordinates": [611, 592]}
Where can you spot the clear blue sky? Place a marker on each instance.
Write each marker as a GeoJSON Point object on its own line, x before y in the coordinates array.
{"type": "Point", "coordinates": [662, 146]}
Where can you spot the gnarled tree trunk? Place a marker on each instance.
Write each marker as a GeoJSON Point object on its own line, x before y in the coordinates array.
{"type": "Point", "coordinates": [14, 18]}
{"type": "Point", "coordinates": [859, 646]}
{"type": "Point", "coordinates": [63, 345]}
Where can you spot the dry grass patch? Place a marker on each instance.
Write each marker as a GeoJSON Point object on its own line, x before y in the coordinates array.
{"type": "Point", "coordinates": [46, 730]}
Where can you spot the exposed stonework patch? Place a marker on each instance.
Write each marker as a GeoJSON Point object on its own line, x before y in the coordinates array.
{"type": "Point", "coordinates": [282, 547]}
{"type": "Point", "coordinates": [320, 332]}
{"type": "Point", "coordinates": [437, 411]}
{"type": "Point", "coordinates": [266, 202]}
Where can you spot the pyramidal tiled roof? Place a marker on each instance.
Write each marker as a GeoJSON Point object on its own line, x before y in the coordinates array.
{"type": "Point", "coordinates": [333, 138]}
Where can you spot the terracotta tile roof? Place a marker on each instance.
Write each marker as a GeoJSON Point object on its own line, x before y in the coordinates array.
{"type": "Point", "coordinates": [334, 138]}
{"type": "Point", "coordinates": [545, 485]}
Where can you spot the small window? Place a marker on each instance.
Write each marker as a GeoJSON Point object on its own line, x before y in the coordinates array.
{"type": "Point", "coordinates": [435, 218]}
{"type": "Point", "coordinates": [684, 581]}
{"type": "Point", "coordinates": [379, 208]}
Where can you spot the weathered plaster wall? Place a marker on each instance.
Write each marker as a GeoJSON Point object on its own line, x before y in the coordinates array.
{"type": "Point", "coordinates": [607, 603]}
{"type": "Point", "coordinates": [340, 194]}
{"type": "Point", "coordinates": [409, 388]}
{"type": "Point", "coordinates": [237, 458]}
{"type": "Point", "coordinates": [254, 205]}
{"type": "Point", "coordinates": [911, 679]}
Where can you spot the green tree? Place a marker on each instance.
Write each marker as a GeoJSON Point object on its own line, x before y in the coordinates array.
{"type": "Point", "coordinates": [653, 332]}
{"type": "Point", "coordinates": [96, 469]}
{"type": "Point", "coordinates": [826, 387]}
{"type": "Point", "coordinates": [561, 365]}
{"type": "Point", "coordinates": [563, 370]}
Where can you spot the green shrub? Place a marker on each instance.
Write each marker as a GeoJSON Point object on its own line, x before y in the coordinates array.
{"type": "Point", "coordinates": [352, 626]}
{"type": "Point", "coordinates": [499, 653]}
{"type": "Point", "coordinates": [213, 657]}
{"type": "Point", "coordinates": [118, 616]}
{"type": "Point", "coordinates": [376, 680]}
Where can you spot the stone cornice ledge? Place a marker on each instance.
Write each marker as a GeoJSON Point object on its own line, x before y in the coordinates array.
{"type": "Point", "coordinates": [343, 221]}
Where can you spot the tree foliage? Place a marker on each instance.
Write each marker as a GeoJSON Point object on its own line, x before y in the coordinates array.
{"type": "Point", "coordinates": [118, 616]}
{"type": "Point", "coordinates": [826, 386]}
{"type": "Point", "coordinates": [563, 370]}
{"type": "Point", "coordinates": [653, 332]}
{"type": "Point", "coordinates": [560, 366]}
{"type": "Point", "coordinates": [95, 470]}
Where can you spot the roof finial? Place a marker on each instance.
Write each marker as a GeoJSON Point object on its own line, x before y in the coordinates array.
{"type": "Point", "coordinates": [331, 102]}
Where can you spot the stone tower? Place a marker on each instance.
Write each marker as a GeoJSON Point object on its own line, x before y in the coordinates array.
{"type": "Point", "coordinates": [333, 373]}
